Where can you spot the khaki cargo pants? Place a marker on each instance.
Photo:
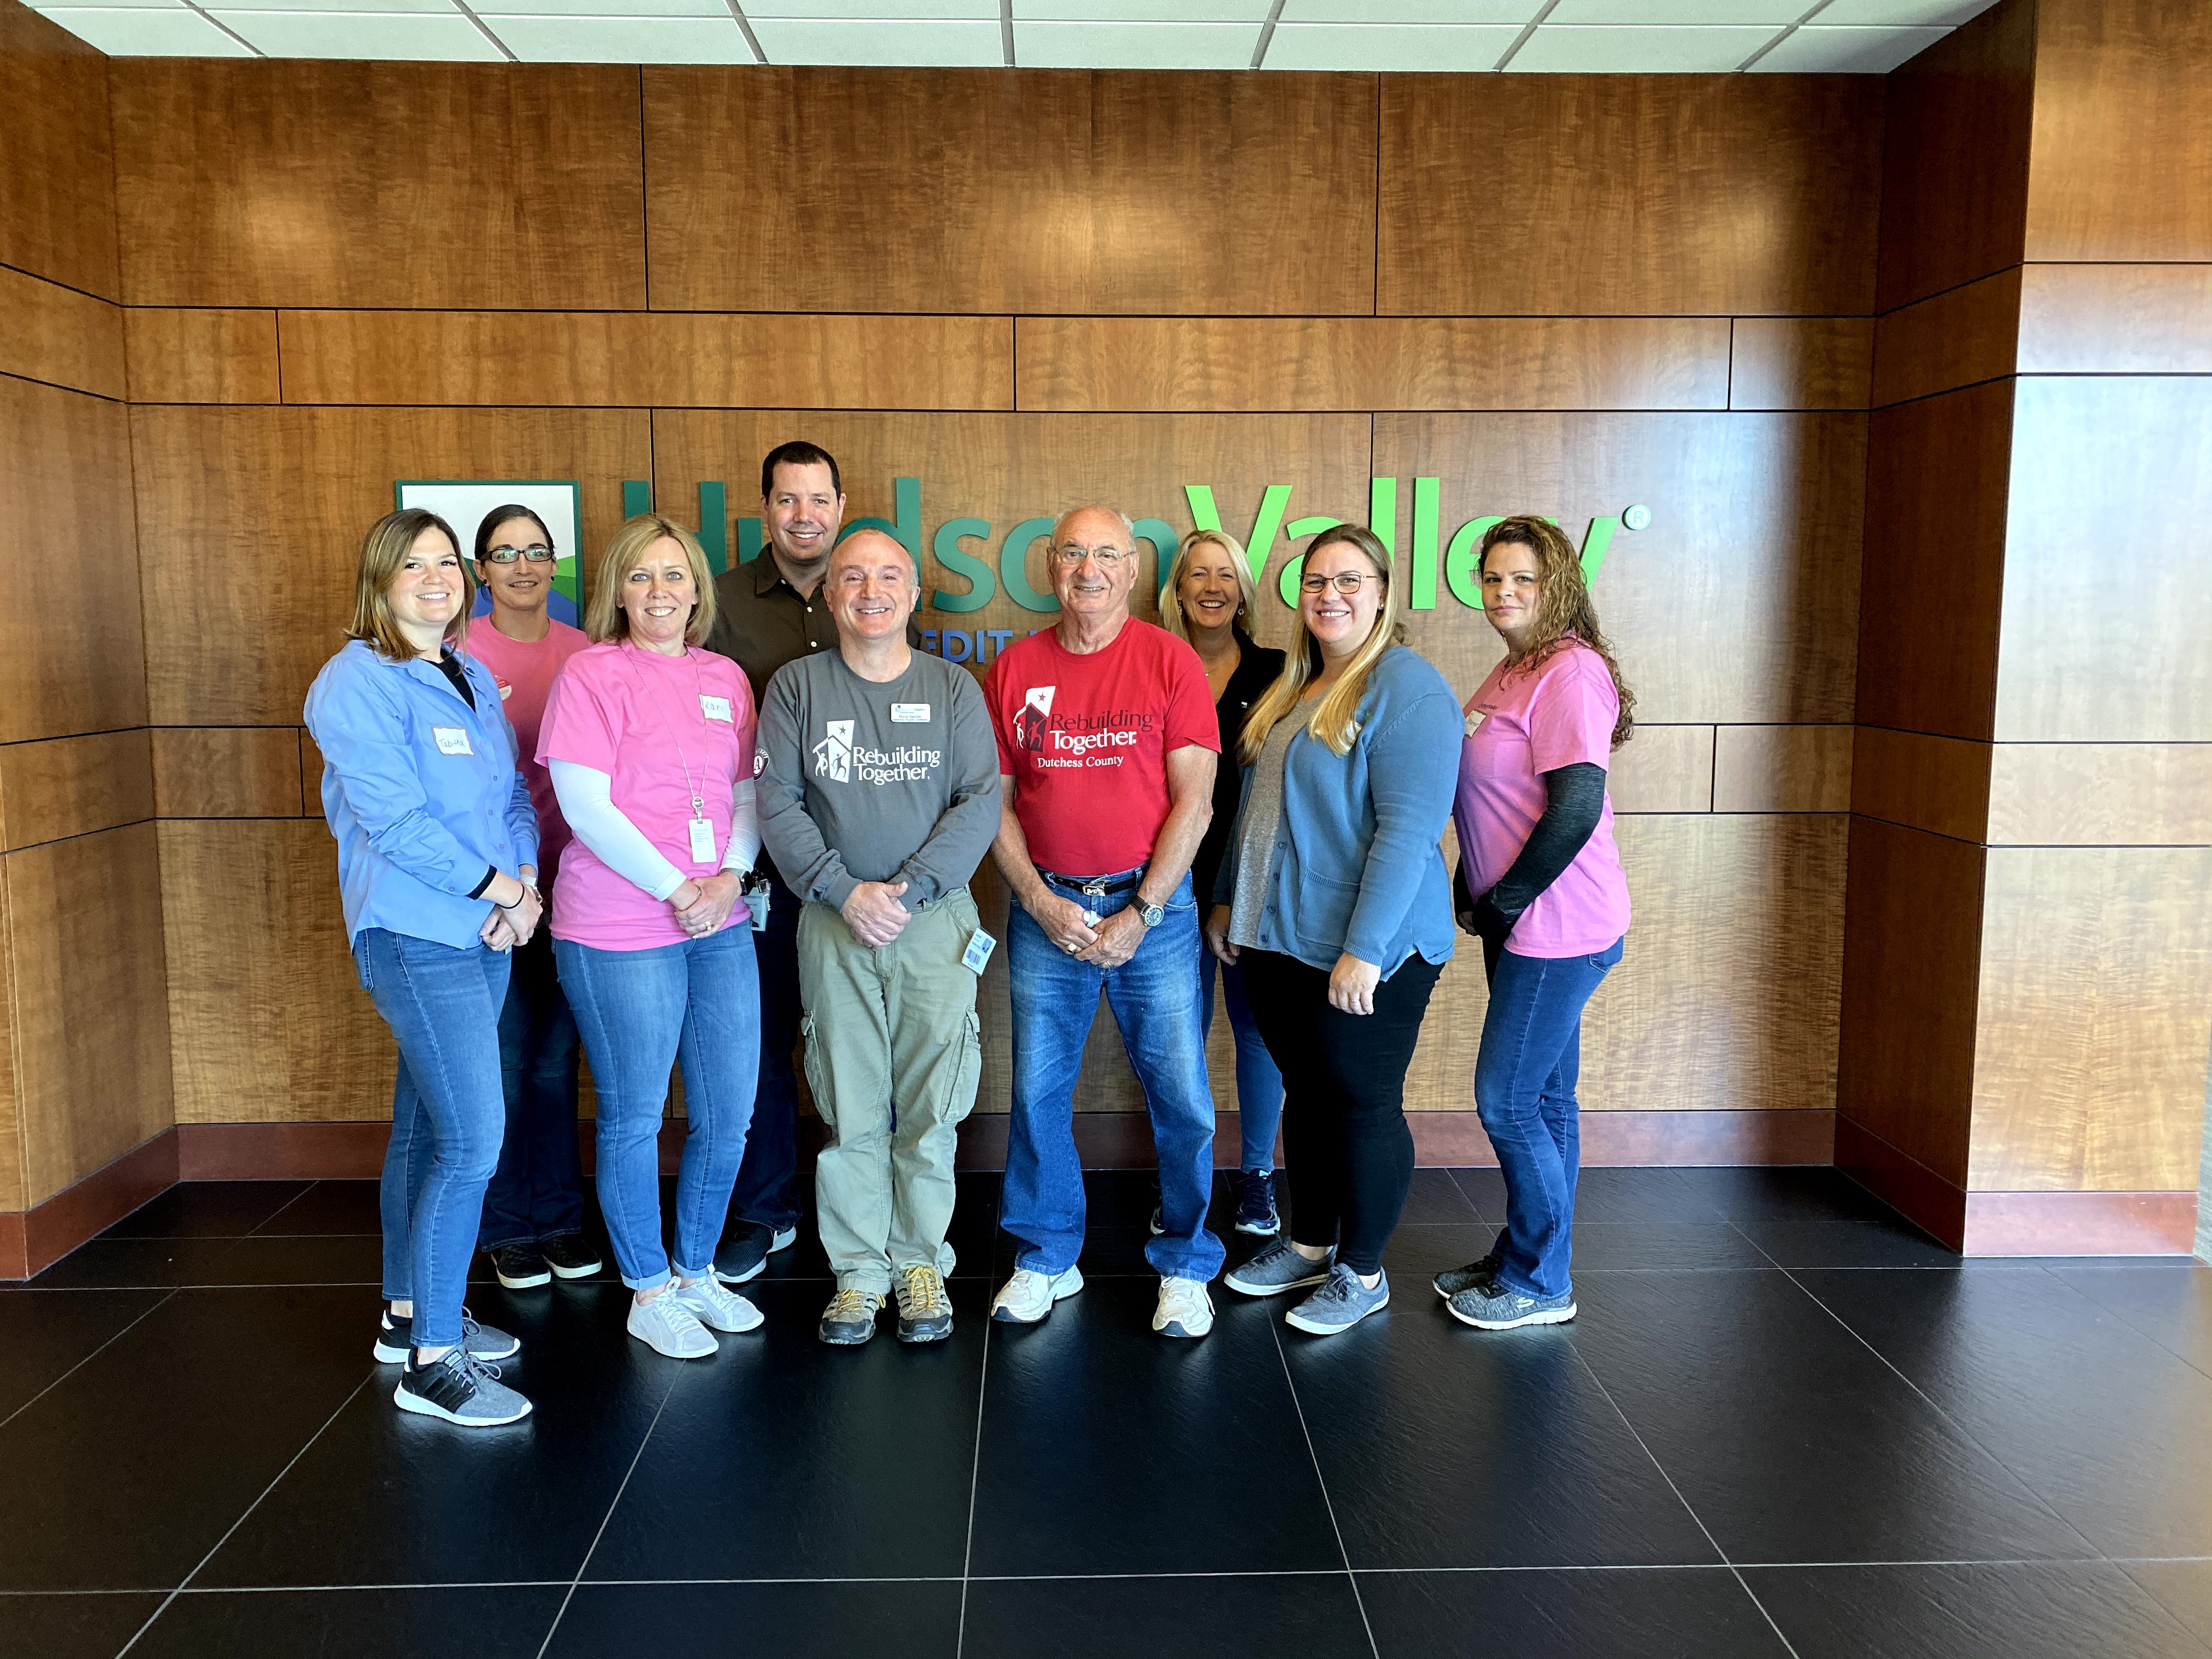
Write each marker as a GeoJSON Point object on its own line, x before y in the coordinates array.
{"type": "Point", "coordinates": [893, 1056]}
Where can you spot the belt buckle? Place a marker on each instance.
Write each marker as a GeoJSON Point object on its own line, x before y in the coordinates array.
{"type": "Point", "coordinates": [1096, 887]}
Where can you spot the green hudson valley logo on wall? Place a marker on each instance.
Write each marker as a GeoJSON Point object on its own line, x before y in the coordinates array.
{"type": "Point", "coordinates": [961, 546]}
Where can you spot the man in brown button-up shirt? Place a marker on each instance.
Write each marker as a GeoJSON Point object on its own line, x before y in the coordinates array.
{"type": "Point", "coordinates": [766, 614]}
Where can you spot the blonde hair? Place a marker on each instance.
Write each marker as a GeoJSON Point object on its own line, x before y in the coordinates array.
{"type": "Point", "coordinates": [383, 551]}
{"type": "Point", "coordinates": [1248, 594]}
{"type": "Point", "coordinates": [1332, 721]}
{"type": "Point", "coordinates": [604, 618]}
{"type": "Point", "coordinates": [1564, 610]}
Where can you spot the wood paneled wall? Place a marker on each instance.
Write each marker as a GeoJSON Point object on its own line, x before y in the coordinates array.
{"type": "Point", "coordinates": [2034, 785]}
{"type": "Point", "coordinates": [1025, 291]}
{"type": "Point", "coordinates": [84, 1061]}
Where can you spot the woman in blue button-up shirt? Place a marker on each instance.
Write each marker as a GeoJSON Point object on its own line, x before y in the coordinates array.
{"type": "Point", "coordinates": [437, 866]}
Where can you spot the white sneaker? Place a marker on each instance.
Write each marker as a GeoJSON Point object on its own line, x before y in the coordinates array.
{"type": "Point", "coordinates": [1184, 1310]}
{"type": "Point", "coordinates": [1028, 1296]}
{"type": "Point", "coordinates": [667, 1325]}
{"type": "Point", "coordinates": [712, 1304]}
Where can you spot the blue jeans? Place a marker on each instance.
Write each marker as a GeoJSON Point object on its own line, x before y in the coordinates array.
{"type": "Point", "coordinates": [1259, 1084]}
{"type": "Point", "coordinates": [1524, 1088]}
{"type": "Point", "coordinates": [1056, 998]}
{"type": "Point", "coordinates": [642, 1011]}
{"type": "Point", "coordinates": [538, 1191]}
{"type": "Point", "coordinates": [448, 1113]}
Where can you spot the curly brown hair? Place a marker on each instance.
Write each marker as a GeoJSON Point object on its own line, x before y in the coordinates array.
{"type": "Point", "coordinates": [1563, 607]}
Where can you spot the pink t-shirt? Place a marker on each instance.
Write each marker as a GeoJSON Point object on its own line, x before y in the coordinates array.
{"type": "Point", "coordinates": [663, 728]}
{"type": "Point", "coordinates": [1520, 726]}
{"type": "Point", "coordinates": [524, 672]}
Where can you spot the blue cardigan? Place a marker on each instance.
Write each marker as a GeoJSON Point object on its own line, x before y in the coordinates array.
{"type": "Point", "coordinates": [1357, 864]}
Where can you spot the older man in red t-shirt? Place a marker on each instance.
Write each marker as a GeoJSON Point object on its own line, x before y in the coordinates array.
{"type": "Point", "coordinates": [1107, 741]}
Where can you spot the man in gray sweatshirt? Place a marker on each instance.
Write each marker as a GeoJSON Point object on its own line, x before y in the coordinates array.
{"type": "Point", "coordinates": [878, 797]}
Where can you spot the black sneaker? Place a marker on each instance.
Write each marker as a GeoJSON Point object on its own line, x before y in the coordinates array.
{"type": "Point", "coordinates": [520, 1266]}
{"type": "Point", "coordinates": [570, 1255]}
{"type": "Point", "coordinates": [1475, 1276]}
{"type": "Point", "coordinates": [395, 1339]}
{"type": "Point", "coordinates": [1255, 1207]}
{"type": "Point", "coordinates": [460, 1389]}
{"type": "Point", "coordinates": [746, 1248]}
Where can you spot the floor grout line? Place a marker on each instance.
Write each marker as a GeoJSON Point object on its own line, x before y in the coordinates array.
{"type": "Point", "coordinates": [1688, 1508]}
{"type": "Point", "coordinates": [256, 1232]}
{"type": "Point", "coordinates": [116, 1337]}
{"type": "Point", "coordinates": [1944, 1417]}
{"type": "Point", "coordinates": [244, 1515]}
{"type": "Point", "coordinates": [974, 1472]}
{"type": "Point", "coordinates": [1275, 1330]}
{"type": "Point", "coordinates": [584, 1566]}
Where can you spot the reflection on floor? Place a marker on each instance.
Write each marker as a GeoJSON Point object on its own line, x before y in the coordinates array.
{"type": "Point", "coordinates": [1783, 1424]}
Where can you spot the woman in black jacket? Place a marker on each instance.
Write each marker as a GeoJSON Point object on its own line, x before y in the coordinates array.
{"type": "Point", "coordinates": [1207, 599]}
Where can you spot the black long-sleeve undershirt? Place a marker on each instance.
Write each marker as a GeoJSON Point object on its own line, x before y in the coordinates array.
{"type": "Point", "coordinates": [1574, 798]}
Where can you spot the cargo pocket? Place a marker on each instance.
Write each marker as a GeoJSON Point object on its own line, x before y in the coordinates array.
{"type": "Point", "coordinates": [817, 1083]}
{"type": "Point", "coordinates": [969, 1072]}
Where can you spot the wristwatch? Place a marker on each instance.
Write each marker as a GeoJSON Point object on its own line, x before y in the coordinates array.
{"type": "Point", "coordinates": [1150, 914]}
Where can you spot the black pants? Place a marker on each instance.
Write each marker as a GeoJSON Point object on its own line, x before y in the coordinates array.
{"type": "Point", "coordinates": [538, 1191]}
{"type": "Point", "coordinates": [1346, 1141]}
{"type": "Point", "coordinates": [768, 1181]}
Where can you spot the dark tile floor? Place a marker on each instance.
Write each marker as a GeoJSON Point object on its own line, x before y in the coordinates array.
{"type": "Point", "coordinates": [1785, 1424]}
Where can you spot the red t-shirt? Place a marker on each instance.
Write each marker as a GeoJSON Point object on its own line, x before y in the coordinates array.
{"type": "Point", "coordinates": [1085, 739]}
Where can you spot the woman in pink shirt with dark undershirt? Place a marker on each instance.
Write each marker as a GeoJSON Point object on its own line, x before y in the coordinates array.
{"type": "Point", "coordinates": [533, 1210]}
{"type": "Point", "coordinates": [1541, 884]}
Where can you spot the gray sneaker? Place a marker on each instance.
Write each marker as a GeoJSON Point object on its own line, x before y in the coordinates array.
{"type": "Point", "coordinates": [460, 1390]}
{"type": "Point", "coordinates": [1475, 1275]}
{"type": "Point", "coordinates": [1493, 1308]}
{"type": "Point", "coordinates": [1278, 1268]}
{"type": "Point", "coordinates": [395, 1339]}
{"type": "Point", "coordinates": [1341, 1304]}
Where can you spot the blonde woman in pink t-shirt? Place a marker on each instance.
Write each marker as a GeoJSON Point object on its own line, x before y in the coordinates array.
{"type": "Point", "coordinates": [1541, 884]}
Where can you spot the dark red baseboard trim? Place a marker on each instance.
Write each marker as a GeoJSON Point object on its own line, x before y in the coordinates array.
{"type": "Point", "coordinates": [2080, 1223]}
{"type": "Point", "coordinates": [33, 1240]}
{"type": "Point", "coordinates": [1935, 1206]}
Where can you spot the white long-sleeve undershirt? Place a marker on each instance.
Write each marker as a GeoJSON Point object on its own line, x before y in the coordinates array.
{"type": "Point", "coordinates": [586, 798]}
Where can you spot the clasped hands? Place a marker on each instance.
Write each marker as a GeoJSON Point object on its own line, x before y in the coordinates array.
{"type": "Point", "coordinates": [517, 910]}
{"type": "Point", "coordinates": [702, 905]}
{"type": "Point", "coordinates": [1109, 944]}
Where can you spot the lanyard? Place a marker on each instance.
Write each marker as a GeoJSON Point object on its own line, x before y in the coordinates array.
{"type": "Point", "coordinates": [695, 789]}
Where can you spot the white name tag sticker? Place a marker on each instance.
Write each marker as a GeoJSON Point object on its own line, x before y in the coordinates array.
{"type": "Point", "coordinates": [702, 842]}
{"type": "Point", "coordinates": [910, 714]}
{"type": "Point", "coordinates": [505, 690]}
{"type": "Point", "coordinates": [452, 740]}
{"type": "Point", "coordinates": [979, 945]}
{"type": "Point", "coordinates": [1473, 722]}
{"type": "Point", "coordinates": [716, 708]}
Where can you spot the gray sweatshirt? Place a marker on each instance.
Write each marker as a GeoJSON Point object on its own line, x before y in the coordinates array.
{"type": "Point", "coordinates": [868, 783]}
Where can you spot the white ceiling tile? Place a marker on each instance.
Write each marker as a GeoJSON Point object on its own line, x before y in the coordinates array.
{"type": "Point", "coordinates": [1846, 51]}
{"type": "Point", "coordinates": [1140, 12]}
{"type": "Point", "coordinates": [437, 8]}
{"type": "Point", "coordinates": [612, 9]}
{"type": "Point", "coordinates": [1469, 46]}
{"type": "Point", "coordinates": [146, 31]}
{"type": "Point", "coordinates": [417, 37]}
{"type": "Point", "coordinates": [932, 45]}
{"type": "Point", "coordinates": [1135, 45]}
{"type": "Point", "coordinates": [1637, 51]}
{"type": "Point", "coordinates": [108, 5]}
{"type": "Point", "coordinates": [624, 39]}
{"type": "Point", "coordinates": [1410, 11]}
{"type": "Point", "coordinates": [1938, 14]}
{"type": "Point", "coordinates": [851, 11]}
{"type": "Point", "coordinates": [1675, 14]}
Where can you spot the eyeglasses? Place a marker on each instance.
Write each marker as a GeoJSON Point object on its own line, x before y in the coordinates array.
{"type": "Point", "coordinates": [536, 553]}
{"type": "Point", "coordinates": [1347, 581]}
{"type": "Point", "coordinates": [1108, 558]}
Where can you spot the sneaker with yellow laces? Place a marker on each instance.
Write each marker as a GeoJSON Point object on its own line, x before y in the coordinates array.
{"type": "Point", "coordinates": [850, 1318]}
{"type": "Point", "coordinates": [924, 1313]}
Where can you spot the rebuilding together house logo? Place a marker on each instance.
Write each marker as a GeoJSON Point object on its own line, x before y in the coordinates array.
{"type": "Point", "coordinates": [1433, 564]}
